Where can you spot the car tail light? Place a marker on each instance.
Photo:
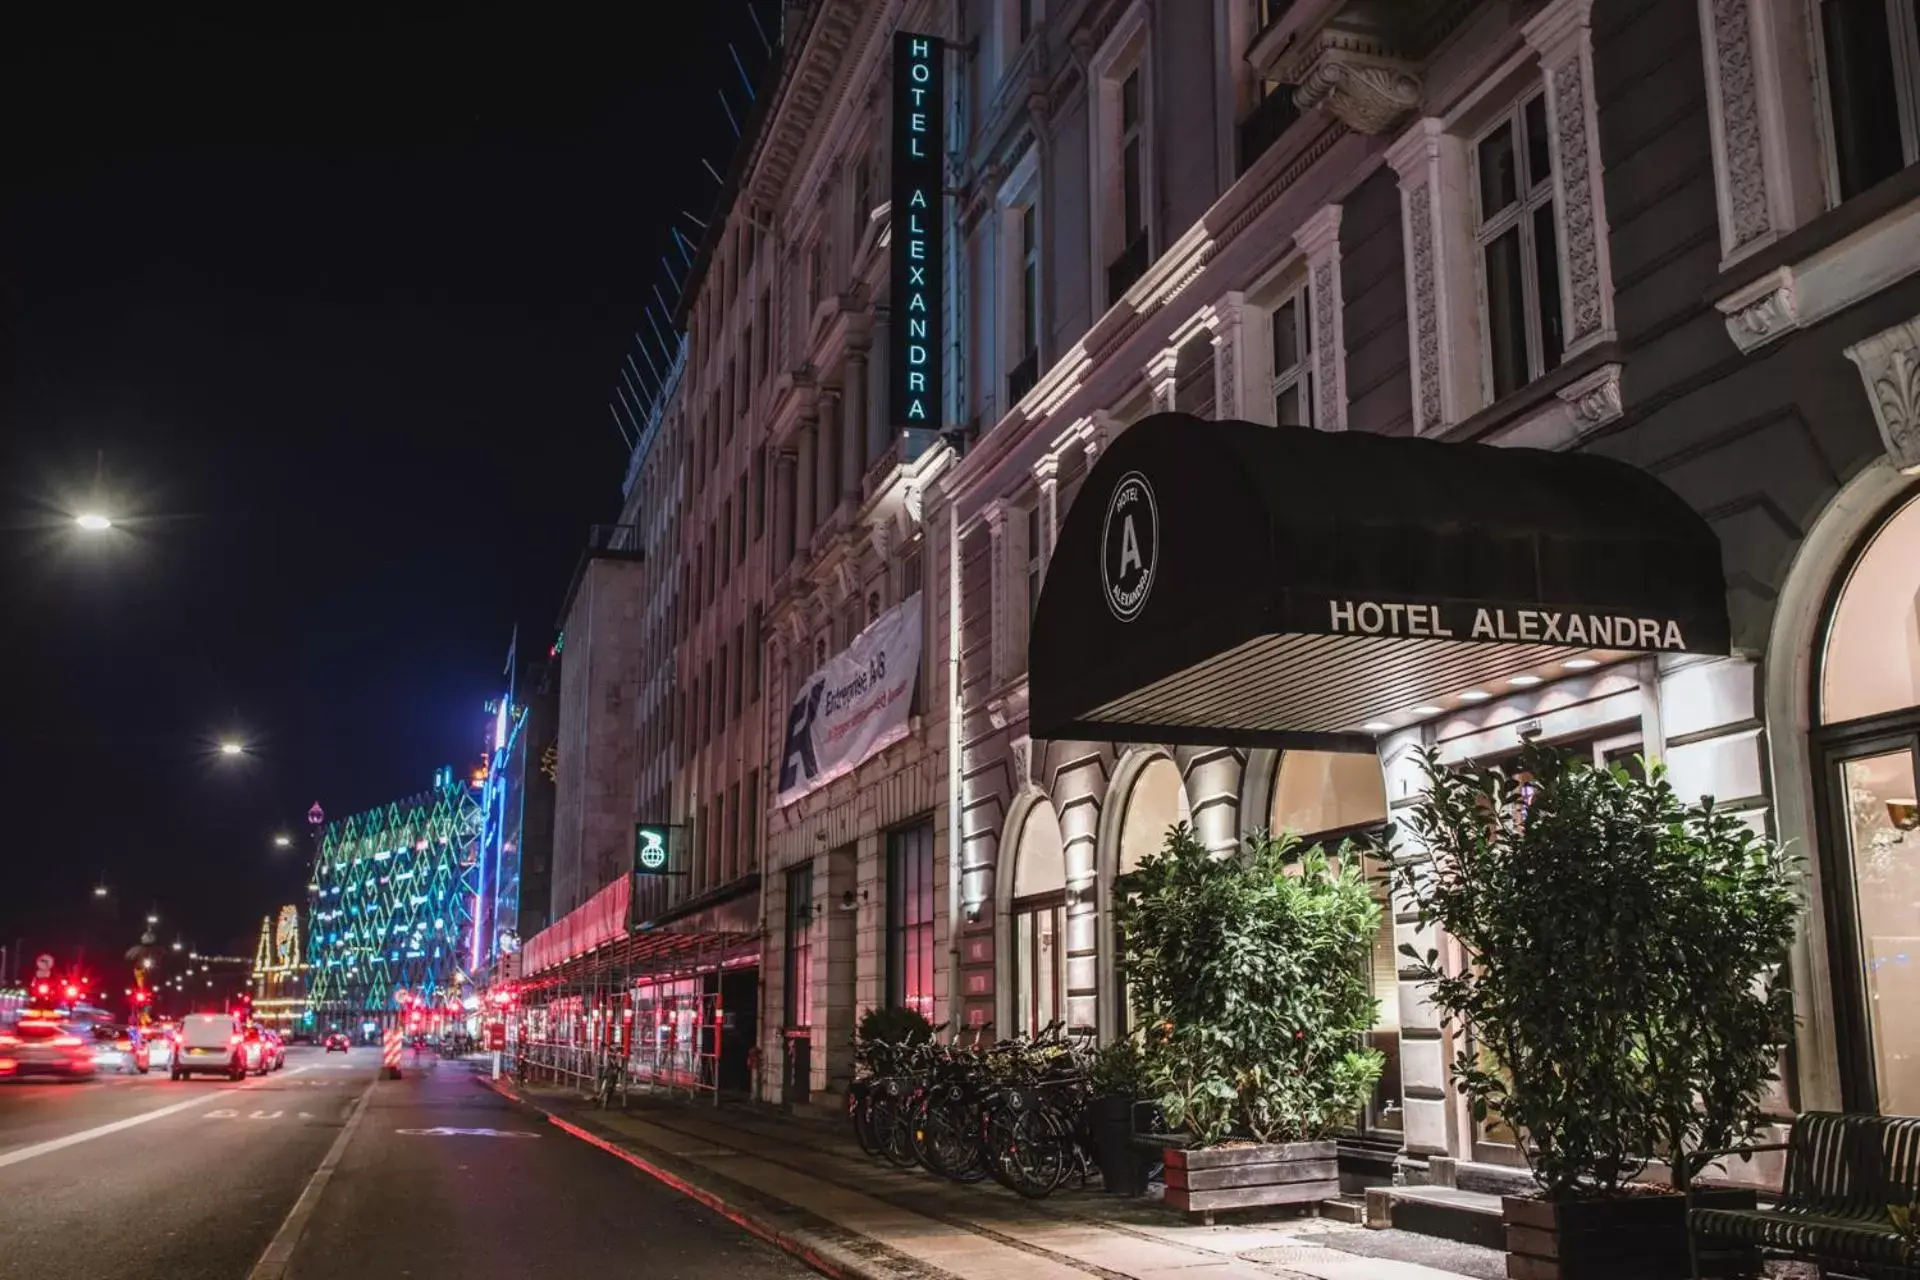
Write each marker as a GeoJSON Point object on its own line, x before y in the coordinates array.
{"type": "Point", "coordinates": [6, 1039]}
{"type": "Point", "coordinates": [68, 1042]}
{"type": "Point", "coordinates": [7, 1066]}
{"type": "Point", "coordinates": [235, 1038]}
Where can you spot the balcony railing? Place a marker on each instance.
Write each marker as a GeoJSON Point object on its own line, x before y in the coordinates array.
{"type": "Point", "coordinates": [1127, 268]}
{"type": "Point", "coordinates": [1263, 126]}
{"type": "Point", "coordinates": [1021, 380]}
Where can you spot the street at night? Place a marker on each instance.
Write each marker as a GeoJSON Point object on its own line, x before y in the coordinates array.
{"type": "Point", "coordinates": [962, 640]}
{"type": "Point", "coordinates": [320, 1172]}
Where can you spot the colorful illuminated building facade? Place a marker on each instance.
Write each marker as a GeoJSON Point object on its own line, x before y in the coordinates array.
{"type": "Point", "coordinates": [393, 904]}
{"type": "Point", "coordinates": [280, 970]}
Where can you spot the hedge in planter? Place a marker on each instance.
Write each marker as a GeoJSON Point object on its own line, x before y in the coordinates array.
{"type": "Point", "coordinates": [1626, 950]}
{"type": "Point", "coordinates": [1248, 977]}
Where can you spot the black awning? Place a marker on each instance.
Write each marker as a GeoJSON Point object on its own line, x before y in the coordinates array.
{"type": "Point", "coordinates": [1227, 582]}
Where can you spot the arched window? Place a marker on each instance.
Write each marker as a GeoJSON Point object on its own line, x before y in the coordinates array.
{"type": "Point", "coordinates": [1867, 753]}
{"type": "Point", "coordinates": [1326, 796]}
{"type": "Point", "coordinates": [1039, 924]}
{"type": "Point", "coordinates": [1157, 801]}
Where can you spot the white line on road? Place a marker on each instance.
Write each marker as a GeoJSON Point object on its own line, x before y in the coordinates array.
{"type": "Point", "coordinates": [279, 1255]}
{"type": "Point", "coordinates": [88, 1135]}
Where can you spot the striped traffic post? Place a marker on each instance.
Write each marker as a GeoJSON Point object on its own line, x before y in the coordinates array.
{"type": "Point", "coordinates": [390, 1054]}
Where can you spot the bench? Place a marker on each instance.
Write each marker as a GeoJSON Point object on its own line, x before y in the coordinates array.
{"type": "Point", "coordinates": [1842, 1172]}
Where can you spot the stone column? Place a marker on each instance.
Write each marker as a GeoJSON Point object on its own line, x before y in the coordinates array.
{"type": "Point", "coordinates": [1163, 378]}
{"type": "Point", "coordinates": [999, 597]}
{"type": "Point", "coordinates": [1442, 323]}
{"type": "Point", "coordinates": [879, 433]}
{"type": "Point", "coordinates": [803, 488]}
{"type": "Point", "coordinates": [1319, 240]}
{"type": "Point", "coordinates": [854, 455]}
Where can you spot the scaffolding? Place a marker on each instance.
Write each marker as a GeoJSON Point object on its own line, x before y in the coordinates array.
{"type": "Point", "coordinates": [647, 1006]}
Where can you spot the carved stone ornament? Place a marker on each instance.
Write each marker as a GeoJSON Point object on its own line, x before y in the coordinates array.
{"type": "Point", "coordinates": [1762, 311]}
{"type": "Point", "coordinates": [1595, 399]}
{"type": "Point", "coordinates": [1889, 364]}
{"type": "Point", "coordinates": [1367, 97]}
{"type": "Point", "coordinates": [1583, 254]}
{"type": "Point", "coordinates": [1426, 305]}
{"type": "Point", "coordinates": [1746, 174]}
{"type": "Point", "coordinates": [1021, 748]}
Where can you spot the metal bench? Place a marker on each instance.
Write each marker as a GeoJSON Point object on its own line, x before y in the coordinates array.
{"type": "Point", "coordinates": [1842, 1173]}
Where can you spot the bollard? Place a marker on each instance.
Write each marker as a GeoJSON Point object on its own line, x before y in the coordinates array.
{"type": "Point", "coordinates": [390, 1054]}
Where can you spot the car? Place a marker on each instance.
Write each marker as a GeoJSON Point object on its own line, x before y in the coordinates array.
{"type": "Point", "coordinates": [277, 1046]}
{"type": "Point", "coordinates": [211, 1043]}
{"type": "Point", "coordinates": [338, 1043]}
{"type": "Point", "coordinates": [121, 1049]}
{"type": "Point", "coordinates": [159, 1045]}
{"type": "Point", "coordinates": [259, 1055]}
{"type": "Point", "coordinates": [44, 1047]}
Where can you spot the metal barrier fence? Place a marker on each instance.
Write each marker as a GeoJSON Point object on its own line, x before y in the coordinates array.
{"type": "Point", "coordinates": [673, 1070]}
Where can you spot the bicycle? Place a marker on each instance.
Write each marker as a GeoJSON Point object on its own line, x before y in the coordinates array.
{"type": "Point", "coordinates": [612, 1078]}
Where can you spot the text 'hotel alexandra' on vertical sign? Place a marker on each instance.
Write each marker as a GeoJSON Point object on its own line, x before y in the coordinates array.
{"type": "Point", "coordinates": [915, 360]}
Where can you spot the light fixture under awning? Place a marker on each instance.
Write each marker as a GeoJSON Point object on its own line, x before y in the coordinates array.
{"type": "Point", "coordinates": [1231, 583]}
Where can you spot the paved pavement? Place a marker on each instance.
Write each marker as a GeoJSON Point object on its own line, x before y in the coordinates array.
{"type": "Point", "coordinates": [321, 1171]}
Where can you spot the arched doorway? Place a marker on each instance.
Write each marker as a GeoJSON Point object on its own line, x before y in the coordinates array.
{"type": "Point", "coordinates": [1866, 755]}
{"type": "Point", "coordinates": [1037, 922]}
{"type": "Point", "coordinates": [1325, 797]}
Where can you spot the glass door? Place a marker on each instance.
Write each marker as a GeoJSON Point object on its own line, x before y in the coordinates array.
{"type": "Point", "coordinates": [1871, 862]}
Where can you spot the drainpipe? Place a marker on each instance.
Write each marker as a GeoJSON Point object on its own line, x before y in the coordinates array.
{"type": "Point", "coordinates": [954, 786]}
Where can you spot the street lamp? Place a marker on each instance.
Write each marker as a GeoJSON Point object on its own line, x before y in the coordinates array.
{"type": "Point", "coordinates": [232, 749]}
{"type": "Point", "coordinates": [281, 842]}
{"type": "Point", "coordinates": [93, 522]}
{"type": "Point", "coordinates": [99, 891]}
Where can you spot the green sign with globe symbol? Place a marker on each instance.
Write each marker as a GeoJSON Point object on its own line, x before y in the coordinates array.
{"type": "Point", "coordinates": [650, 849]}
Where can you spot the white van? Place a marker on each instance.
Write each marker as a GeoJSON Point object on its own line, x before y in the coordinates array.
{"type": "Point", "coordinates": [209, 1042]}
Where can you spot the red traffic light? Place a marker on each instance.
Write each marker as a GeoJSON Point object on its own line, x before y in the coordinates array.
{"type": "Point", "coordinates": [72, 991]}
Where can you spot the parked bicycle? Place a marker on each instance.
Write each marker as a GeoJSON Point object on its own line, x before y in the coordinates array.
{"type": "Point", "coordinates": [1013, 1110]}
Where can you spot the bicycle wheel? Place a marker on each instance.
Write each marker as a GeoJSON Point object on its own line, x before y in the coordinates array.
{"type": "Point", "coordinates": [860, 1111]}
{"type": "Point", "coordinates": [893, 1130]}
{"type": "Point", "coordinates": [947, 1137]}
{"type": "Point", "coordinates": [1036, 1159]}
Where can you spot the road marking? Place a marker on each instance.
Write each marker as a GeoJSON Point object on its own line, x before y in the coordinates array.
{"type": "Point", "coordinates": [274, 1262]}
{"type": "Point", "coordinates": [444, 1131]}
{"type": "Point", "coordinates": [101, 1131]}
{"type": "Point", "coordinates": [224, 1113]}
{"type": "Point", "coordinates": [266, 1115]}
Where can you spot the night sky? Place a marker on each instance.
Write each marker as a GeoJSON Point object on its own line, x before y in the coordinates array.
{"type": "Point", "coordinates": [341, 306]}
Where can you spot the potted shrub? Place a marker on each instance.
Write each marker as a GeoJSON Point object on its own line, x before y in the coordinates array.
{"type": "Point", "coordinates": [1248, 977]}
{"type": "Point", "coordinates": [1119, 1085]}
{"type": "Point", "coordinates": [1620, 994]}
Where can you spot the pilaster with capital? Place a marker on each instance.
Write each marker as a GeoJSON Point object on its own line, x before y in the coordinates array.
{"type": "Point", "coordinates": [1046, 474]}
{"type": "Point", "coordinates": [1233, 365]}
{"type": "Point", "coordinates": [1889, 364]}
{"type": "Point", "coordinates": [830, 433]}
{"type": "Point", "coordinates": [1319, 241]}
{"type": "Point", "coordinates": [1163, 379]}
{"type": "Point", "coordinates": [783, 463]}
{"type": "Point", "coordinates": [853, 428]}
{"type": "Point", "coordinates": [803, 486]}
{"type": "Point", "coordinates": [1443, 329]}
{"type": "Point", "coordinates": [1563, 36]}
{"type": "Point", "coordinates": [1000, 648]}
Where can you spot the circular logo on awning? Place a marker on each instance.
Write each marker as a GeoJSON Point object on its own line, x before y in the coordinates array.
{"type": "Point", "coordinates": [1129, 546]}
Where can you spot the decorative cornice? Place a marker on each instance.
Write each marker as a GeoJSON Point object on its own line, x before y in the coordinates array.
{"type": "Point", "coordinates": [1354, 68]}
{"type": "Point", "coordinates": [1595, 398]}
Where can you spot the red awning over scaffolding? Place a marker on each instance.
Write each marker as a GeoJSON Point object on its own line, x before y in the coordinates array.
{"type": "Point", "coordinates": [594, 923]}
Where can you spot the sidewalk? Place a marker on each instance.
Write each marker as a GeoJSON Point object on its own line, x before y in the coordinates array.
{"type": "Point", "coordinates": [806, 1186]}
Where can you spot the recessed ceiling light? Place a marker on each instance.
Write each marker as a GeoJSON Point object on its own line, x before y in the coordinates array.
{"type": "Point", "coordinates": [1580, 664]}
{"type": "Point", "coordinates": [1426, 711]}
{"type": "Point", "coordinates": [1375, 726]}
{"type": "Point", "coordinates": [1521, 682]}
{"type": "Point", "coordinates": [1475, 695]}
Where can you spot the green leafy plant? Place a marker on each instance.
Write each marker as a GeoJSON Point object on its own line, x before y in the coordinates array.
{"type": "Point", "coordinates": [1248, 978]}
{"type": "Point", "coordinates": [1620, 988]}
{"type": "Point", "coordinates": [893, 1026]}
{"type": "Point", "coordinates": [1906, 1222]}
{"type": "Point", "coordinates": [1120, 1070]}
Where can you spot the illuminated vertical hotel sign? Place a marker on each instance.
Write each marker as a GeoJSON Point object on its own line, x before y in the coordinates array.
{"type": "Point", "coordinates": [917, 348]}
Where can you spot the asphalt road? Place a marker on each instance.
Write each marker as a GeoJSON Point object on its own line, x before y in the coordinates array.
{"type": "Point", "coordinates": [320, 1172]}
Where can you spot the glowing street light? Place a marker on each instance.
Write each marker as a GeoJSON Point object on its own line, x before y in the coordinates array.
{"type": "Point", "coordinates": [93, 522]}
{"type": "Point", "coordinates": [232, 749]}
{"type": "Point", "coordinates": [281, 842]}
{"type": "Point", "coordinates": [153, 919]}
{"type": "Point", "coordinates": [99, 891]}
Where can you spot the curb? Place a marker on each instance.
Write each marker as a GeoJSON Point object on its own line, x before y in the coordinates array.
{"type": "Point", "coordinates": [822, 1256]}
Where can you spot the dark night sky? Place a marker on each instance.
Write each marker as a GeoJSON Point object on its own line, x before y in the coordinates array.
{"type": "Point", "coordinates": [342, 305]}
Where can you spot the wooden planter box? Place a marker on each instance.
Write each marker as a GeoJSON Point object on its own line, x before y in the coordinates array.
{"type": "Point", "coordinates": [1640, 1236]}
{"type": "Point", "coordinates": [1212, 1178]}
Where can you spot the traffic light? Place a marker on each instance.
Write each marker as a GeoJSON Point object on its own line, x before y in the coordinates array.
{"type": "Point", "coordinates": [72, 991]}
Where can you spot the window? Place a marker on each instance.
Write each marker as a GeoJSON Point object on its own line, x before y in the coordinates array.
{"type": "Point", "coordinates": [1870, 57]}
{"type": "Point", "coordinates": [740, 515]}
{"type": "Point", "coordinates": [756, 639]}
{"type": "Point", "coordinates": [1133, 178]}
{"type": "Point", "coordinates": [763, 358]}
{"type": "Point", "coordinates": [862, 196]}
{"type": "Point", "coordinates": [1293, 359]}
{"type": "Point", "coordinates": [816, 275]}
{"type": "Point", "coordinates": [758, 480]}
{"type": "Point", "coordinates": [726, 537]}
{"type": "Point", "coordinates": [736, 856]}
{"type": "Point", "coordinates": [738, 388]}
{"type": "Point", "coordinates": [819, 651]}
{"type": "Point", "coordinates": [1030, 283]}
{"type": "Point", "coordinates": [912, 571]}
{"type": "Point", "coordinates": [750, 826]}
{"type": "Point", "coordinates": [799, 966]}
{"type": "Point", "coordinates": [1024, 25]}
{"type": "Point", "coordinates": [739, 661]}
{"type": "Point", "coordinates": [1039, 925]}
{"type": "Point", "coordinates": [1517, 249]}
{"type": "Point", "coordinates": [910, 907]}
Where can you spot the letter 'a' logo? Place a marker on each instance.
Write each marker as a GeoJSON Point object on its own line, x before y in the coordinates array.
{"type": "Point", "coordinates": [1129, 546]}
{"type": "Point", "coordinates": [797, 762]}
